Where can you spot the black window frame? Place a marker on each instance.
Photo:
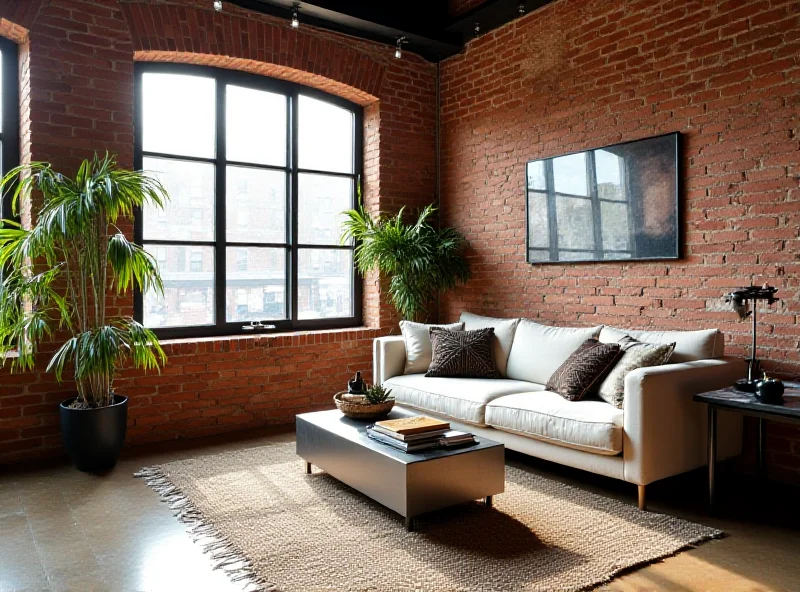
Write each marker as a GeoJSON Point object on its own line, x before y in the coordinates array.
{"type": "Point", "coordinates": [292, 91]}
{"type": "Point", "coordinates": [9, 111]}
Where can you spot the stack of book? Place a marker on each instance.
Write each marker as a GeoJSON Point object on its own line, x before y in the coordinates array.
{"type": "Point", "coordinates": [415, 434]}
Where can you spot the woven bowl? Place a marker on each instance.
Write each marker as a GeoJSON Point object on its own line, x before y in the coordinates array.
{"type": "Point", "coordinates": [362, 410]}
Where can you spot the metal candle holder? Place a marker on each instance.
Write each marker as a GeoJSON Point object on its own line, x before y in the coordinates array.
{"type": "Point", "coordinates": [739, 299]}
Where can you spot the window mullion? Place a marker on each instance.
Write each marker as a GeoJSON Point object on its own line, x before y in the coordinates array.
{"type": "Point", "coordinates": [220, 251]}
{"type": "Point", "coordinates": [293, 123]}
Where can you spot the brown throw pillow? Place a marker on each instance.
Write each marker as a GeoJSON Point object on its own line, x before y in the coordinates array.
{"type": "Point", "coordinates": [464, 354]}
{"type": "Point", "coordinates": [584, 370]}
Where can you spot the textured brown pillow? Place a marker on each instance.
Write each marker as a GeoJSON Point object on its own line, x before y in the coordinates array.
{"type": "Point", "coordinates": [465, 354]}
{"type": "Point", "coordinates": [584, 370]}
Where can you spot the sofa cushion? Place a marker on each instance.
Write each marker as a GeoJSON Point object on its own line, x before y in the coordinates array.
{"type": "Point", "coordinates": [689, 345]}
{"type": "Point", "coordinates": [462, 354]}
{"type": "Point", "coordinates": [584, 370]}
{"type": "Point", "coordinates": [592, 426]}
{"type": "Point", "coordinates": [636, 354]}
{"type": "Point", "coordinates": [418, 344]}
{"type": "Point", "coordinates": [463, 399]}
{"type": "Point", "coordinates": [503, 335]}
{"type": "Point", "coordinates": [538, 350]}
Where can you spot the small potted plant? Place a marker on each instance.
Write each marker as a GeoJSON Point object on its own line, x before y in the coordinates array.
{"type": "Point", "coordinates": [58, 276]}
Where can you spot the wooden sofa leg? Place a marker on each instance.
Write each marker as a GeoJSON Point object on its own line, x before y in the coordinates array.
{"type": "Point", "coordinates": [642, 498]}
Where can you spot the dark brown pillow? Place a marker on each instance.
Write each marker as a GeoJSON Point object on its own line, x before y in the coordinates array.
{"type": "Point", "coordinates": [464, 354]}
{"type": "Point", "coordinates": [584, 370]}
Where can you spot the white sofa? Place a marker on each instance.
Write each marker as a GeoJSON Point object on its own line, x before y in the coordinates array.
{"type": "Point", "coordinates": [660, 431]}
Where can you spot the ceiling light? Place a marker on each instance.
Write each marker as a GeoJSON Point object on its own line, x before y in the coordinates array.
{"type": "Point", "coordinates": [296, 17]}
{"type": "Point", "coordinates": [477, 29]}
{"type": "Point", "coordinates": [398, 53]}
{"type": "Point", "coordinates": [218, 5]}
{"type": "Point", "coordinates": [521, 8]}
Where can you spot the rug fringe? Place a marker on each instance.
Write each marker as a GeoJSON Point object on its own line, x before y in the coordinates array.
{"type": "Point", "coordinates": [224, 554]}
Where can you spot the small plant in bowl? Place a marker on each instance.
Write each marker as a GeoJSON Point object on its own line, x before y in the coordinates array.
{"type": "Point", "coordinates": [376, 393]}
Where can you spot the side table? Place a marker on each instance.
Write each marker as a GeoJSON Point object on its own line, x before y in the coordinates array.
{"type": "Point", "coordinates": [731, 399]}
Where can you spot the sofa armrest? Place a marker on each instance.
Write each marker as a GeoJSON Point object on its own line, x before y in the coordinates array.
{"type": "Point", "coordinates": [665, 430]}
{"type": "Point", "coordinates": [388, 358]}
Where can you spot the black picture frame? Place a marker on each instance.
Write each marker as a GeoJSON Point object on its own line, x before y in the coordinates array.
{"type": "Point", "coordinates": [636, 185]}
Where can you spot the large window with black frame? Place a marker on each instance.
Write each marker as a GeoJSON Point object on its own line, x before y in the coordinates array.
{"type": "Point", "coordinates": [9, 120]}
{"type": "Point", "coordinates": [259, 172]}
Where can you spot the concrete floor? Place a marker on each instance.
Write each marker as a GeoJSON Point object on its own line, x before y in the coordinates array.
{"type": "Point", "coordinates": [64, 530]}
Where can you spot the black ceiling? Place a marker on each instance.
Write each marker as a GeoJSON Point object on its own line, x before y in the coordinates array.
{"type": "Point", "coordinates": [426, 24]}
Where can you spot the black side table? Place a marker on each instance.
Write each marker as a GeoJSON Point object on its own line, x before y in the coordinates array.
{"type": "Point", "coordinates": [731, 399]}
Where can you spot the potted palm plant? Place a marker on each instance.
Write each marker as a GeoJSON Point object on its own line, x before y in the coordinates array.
{"type": "Point", "coordinates": [57, 277]}
{"type": "Point", "coordinates": [419, 260]}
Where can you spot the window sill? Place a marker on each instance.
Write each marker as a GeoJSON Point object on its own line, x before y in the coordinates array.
{"type": "Point", "coordinates": [292, 338]}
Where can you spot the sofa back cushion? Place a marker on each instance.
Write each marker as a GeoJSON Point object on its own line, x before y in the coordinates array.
{"type": "Point", "coordinates": [539, 350]}
{"type": "Point", "coordinates": [503, 335]}
{"type": "Point", "coordinates": [689, 345]}
{"type": "Point", "coordinates": [418, 344]}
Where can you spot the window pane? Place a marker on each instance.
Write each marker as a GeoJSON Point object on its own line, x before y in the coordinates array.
{"type": "Point", "coordinates": [536, 176]}
{"type": "Point", "coordinates": [255, 205]}
{"type": "Point", "coordinates": [255, 126]}
{"type": "Point", "coordinates": [538, 227]}
{"type": "Point", "coordinates": [322, 200]}
{"type": "Point", "coordinates": [189, 214]}
{"type": "Point", "coordinates": [179, 114]}
{"type": "Point", "coordinates": [325, 136]}
{"type": "Point", "coordinates": [325, 283]}
{"type": "Point", "coordinates": [1, 95]}
{"type": "Point", "coordinates": [538, 255]}
{"type": "Point", "coordinates": [608, 168]}
{"type": "Point", "coordinates": [569, 174]}
{"type": "Point", "coordinates": [575, 226]}
{"type": "Point", "coordinates": [576, 255]}
{"type": "Point", "coordinates": [255, 288]}
{"type": "Point", "coordinates": [188, 275]}
{"type": "Point", "coordinates": [614, 217]}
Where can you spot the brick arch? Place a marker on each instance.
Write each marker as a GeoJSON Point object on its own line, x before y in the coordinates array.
{"type": "Point", "coordinates": [263, 45]}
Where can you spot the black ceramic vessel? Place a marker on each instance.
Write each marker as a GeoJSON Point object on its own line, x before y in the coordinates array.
{"type": "Point", "coordinates": [770, 390]}
{"type": "Point", "coordinates": [94, 437]}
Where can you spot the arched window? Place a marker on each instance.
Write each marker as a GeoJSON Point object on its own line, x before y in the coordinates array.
{"type": "Point", "coordinates": [259, 171]}
{"type": "Point", "coordinates": [9, 116]}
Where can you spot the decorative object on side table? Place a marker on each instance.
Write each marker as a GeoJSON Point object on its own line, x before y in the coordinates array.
{"type": "Point", "coordinates": [362, 402]}
{"type": "Point", "coordinates": [745, 303]}
{"type": "Point", "coordinates": [770, 390]}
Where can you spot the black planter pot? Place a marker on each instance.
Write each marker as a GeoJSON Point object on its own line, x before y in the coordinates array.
{"type": "Point", "coordinates": [94, 437]}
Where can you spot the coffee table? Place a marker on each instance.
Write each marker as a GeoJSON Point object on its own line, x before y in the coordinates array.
{"type": "Point", "coordinates": [409, 484]}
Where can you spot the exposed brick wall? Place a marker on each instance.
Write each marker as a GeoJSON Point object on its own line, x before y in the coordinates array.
{"type": "Point", "coordinates": [579, 74]}
{"type": "Point", "coordinates": [79, 87]}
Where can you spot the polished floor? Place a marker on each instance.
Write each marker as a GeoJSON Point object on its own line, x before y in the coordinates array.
{"type": "Point", "coordinates": [64, 530]}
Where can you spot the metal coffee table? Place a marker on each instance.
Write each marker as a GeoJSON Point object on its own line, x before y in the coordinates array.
{"type": "Point", "coordinates": [409, 484]}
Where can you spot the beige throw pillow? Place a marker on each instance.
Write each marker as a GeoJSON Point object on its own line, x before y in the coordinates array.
{"type": "Point", "coordinates": [418, 344]}
{"type": "Point", "coordinates": [637, 354]}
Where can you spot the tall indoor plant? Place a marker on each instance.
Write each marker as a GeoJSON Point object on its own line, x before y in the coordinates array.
{"type": "Point", "coordinates": [57, 277]}
{"type": "Point", "coordinates": [420, 261]}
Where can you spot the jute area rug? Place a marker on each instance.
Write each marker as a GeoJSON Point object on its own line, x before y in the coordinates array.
{"type": "Point", "coordinates": [273, 527]}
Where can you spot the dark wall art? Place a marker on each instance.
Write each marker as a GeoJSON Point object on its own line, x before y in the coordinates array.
{"type": "Point", "coordinates": [614, 203]}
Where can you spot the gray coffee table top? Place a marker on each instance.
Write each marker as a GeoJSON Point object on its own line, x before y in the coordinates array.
{"type": "Point", "coordinates": [355, 430]}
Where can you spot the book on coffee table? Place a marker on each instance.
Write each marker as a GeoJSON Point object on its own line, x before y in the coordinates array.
{"type": "Point", "coordinates": [412, 425]}
{"type": "Point", "coordinates": [427, 444]}
{"type": "Point", "coordinates": [409, 437]}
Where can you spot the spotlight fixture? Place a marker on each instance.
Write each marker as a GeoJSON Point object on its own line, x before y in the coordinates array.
{"type": "Point", "coordinates": [218, 5]}
{"type": "Point", "coordinates": [521, 8]}
{"type": "Point", "coordinates": [398, 53]}
{"type": "Point", "coordinates": [296, 17]}
{"type": "Point", "coordinates": [477, 29]}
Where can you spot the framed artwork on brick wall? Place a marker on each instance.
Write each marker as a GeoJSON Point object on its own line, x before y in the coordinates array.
{"type": "Point", "coordinates": [619, 202]}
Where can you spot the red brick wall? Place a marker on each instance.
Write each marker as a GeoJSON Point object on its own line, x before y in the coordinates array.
{"type": "Point", "coordinates": [79, 87]}
{"type": "Point", "coordinates": [579, 74]}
